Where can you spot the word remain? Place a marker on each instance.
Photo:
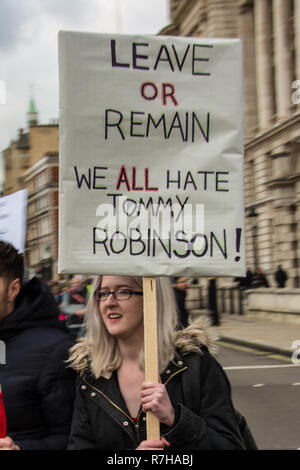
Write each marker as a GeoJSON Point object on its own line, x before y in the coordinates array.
{"type": "Point", "coordinates": [186, 126]}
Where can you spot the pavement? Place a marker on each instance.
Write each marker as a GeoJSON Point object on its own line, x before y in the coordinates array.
{"type": "Point", "coordinates": [265, 335]}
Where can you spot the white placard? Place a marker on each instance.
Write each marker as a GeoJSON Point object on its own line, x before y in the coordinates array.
{"type": "Point", "coordinates": [151, 155]}
{"type": "Point", "coordinates": [13, 211]}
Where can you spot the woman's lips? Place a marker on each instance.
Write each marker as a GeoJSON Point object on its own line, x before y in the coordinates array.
{"type": "Point", "coordinates": [114, 316]}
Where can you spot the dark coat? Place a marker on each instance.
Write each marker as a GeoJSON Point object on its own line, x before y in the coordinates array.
{"type": "Point", "coordinates": [38, 390]}
{"type": "Point", "coordinates": [280, 277]}
{"type": "Point", "coordinates": [200, 394]}
{"type": "Point", "coordinates": [183, 314]}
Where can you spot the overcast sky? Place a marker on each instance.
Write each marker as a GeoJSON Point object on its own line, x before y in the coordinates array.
{"type": "Point", "coordinates": [28, 47]}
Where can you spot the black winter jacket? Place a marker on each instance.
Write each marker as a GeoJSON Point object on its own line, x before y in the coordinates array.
{"type": "Point", "coordinates": [38, 390]}
{"type": "Point", "coordinates": [200, 394]}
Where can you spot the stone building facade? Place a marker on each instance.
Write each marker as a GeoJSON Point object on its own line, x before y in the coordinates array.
{"type": "Point", "coordinates": [270, 30]}
{"type": "Point", "coordinates": [31, 161]}
{"type": "Point", "coordinates": [41, 181]}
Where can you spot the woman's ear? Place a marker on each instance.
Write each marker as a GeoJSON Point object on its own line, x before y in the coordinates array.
{"type": "Point", "coordinates": [13, 289]}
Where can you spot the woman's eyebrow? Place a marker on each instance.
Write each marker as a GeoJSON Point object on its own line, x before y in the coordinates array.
{"type": "Point", "coordinates": [120, 286]}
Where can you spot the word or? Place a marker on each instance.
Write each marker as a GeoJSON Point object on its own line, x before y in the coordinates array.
{"type": "Point", "coordinates": [187, 126]}
{"type": "Point", "coordinates": [170, 56]}
{"type": "Point", "coordinates": [149, 92]}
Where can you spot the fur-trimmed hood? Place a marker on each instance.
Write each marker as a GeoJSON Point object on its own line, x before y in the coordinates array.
{"type": "Point", "coordinates": [198, 334]}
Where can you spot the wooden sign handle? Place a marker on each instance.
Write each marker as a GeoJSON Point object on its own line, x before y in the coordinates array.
{"type": "Point", "coordinates": [151, 350]}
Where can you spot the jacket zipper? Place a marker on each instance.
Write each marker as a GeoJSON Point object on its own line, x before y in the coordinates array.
{"type": "Point", "coordinates": [136, 424]}
{"type": "Point", "coordinates": [110, 401]}
{"type": "Point", "coordinates": [173, 375]}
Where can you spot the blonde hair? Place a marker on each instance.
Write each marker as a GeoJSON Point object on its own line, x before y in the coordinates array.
{"type": "Point", "coordinates": [98, 350]}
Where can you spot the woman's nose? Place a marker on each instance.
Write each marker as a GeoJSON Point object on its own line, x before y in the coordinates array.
{"type": "Point", "coordinates": [110, 299]}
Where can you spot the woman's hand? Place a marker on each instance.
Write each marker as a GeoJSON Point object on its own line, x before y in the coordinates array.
{"type": "Point", "coordinates": [153, 444]}
{"type": "Point", "coordinates": [6, 443]}
{"type": "Point", "coordinates": [155, 398]}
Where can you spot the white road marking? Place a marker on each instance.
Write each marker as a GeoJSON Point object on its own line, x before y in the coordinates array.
{"type": "Point", "coordinates": [296, 383]}
{"type": "Point", "coordinates": [258, 385]}
{"type": "Point", "coordinates": [259, 367]}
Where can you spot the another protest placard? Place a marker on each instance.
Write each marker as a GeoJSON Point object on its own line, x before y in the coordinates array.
{"type": "Point", "coordinates": [151, 155]}
{"type": "Point", "coordinates": [13, 212]}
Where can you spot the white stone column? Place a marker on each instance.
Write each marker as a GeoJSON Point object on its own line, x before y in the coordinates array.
{"type": "Point", "coordinates": [297, 41]}
{"type": "Point", "coordinates": [222, 18]}
{"type": "Point", "coordinates": [246, 32]}
{"type": "Point", "coordinates": [263, 50]}
{"type": "Point", "coordinates": [282, 57]}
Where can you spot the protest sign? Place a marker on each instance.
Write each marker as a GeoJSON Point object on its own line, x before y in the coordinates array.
{"type": "Point", "coordinates": [151, 155]}
{"type": "Point", "coordinates": [13, 211]}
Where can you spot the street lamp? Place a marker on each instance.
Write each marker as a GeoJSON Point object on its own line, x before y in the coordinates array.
{"type": "Point", "coordinates": [253, 214]}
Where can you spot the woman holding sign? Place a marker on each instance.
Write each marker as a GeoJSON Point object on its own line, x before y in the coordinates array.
{"type": "Point", "coordinates": [191, 398]}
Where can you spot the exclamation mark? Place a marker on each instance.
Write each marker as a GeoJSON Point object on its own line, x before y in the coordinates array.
{"type": "Point", "coordinates": [238, 243]}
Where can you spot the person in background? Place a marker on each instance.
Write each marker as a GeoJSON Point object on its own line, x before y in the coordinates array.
{"type": "Point", "coordinates": [55, 289]}
{"type": "Point", "coordinates": [212, 302]}
{"type": "Point", "coordinates": [280, 277]}
{"type": "Point", "coordinates": [89, 286]}
{"type": "Point", "coordinates": [38, 389]}
{"type": "Point", "coordinates": [180, 286]}
{"type": "Point", "coordinates": [78, 295]}
{"type": "Point", "coordinates": [191, 397]}
{"type": "Point", "coordinates": [259, 279]}
{"type": "Point", "coordinates": [248, 279]}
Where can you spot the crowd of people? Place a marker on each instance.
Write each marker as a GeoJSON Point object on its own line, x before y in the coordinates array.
{"type": "Point", "coordinates": [72, 294]}
{"type": "Point", "coordinates": [256, 279]}
{"type": "Point", "coordinates": [89, 391]}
